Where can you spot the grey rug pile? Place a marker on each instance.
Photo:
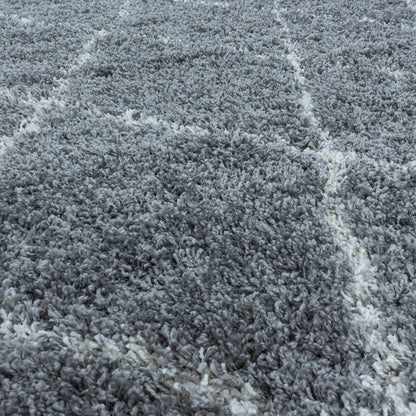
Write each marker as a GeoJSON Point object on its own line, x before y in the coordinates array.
{"type": "Point", "coordinates": [207, 207]}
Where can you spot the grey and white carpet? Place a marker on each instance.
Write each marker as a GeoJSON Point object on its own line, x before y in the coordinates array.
{"type": "Point", "coordinates": [208, 207]}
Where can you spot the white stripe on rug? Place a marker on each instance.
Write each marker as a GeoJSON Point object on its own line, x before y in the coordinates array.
{"type": "Point", "coordinates": [388, 354]}
{"type": "Point", "coordinates": [205, 383]}
{"type": "Point", "coordinates": [34, 123]}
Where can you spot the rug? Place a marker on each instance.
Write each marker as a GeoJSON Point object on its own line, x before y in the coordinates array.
{"type": "Point", "coordinates": [207, 207]}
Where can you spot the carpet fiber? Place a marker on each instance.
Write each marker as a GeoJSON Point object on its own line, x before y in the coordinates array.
{"type": "Point", "coordinates": [207, 207]}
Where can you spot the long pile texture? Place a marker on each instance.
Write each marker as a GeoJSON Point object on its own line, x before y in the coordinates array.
{"type": "Point", "coordinates": [207, 207]}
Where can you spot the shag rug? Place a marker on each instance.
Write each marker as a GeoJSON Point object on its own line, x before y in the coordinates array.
{"type": "Point", "coordinates": [208, 207]}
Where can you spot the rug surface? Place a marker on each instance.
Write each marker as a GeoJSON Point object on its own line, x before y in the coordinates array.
{"type": "Point", "coordinates": [207, 207]}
